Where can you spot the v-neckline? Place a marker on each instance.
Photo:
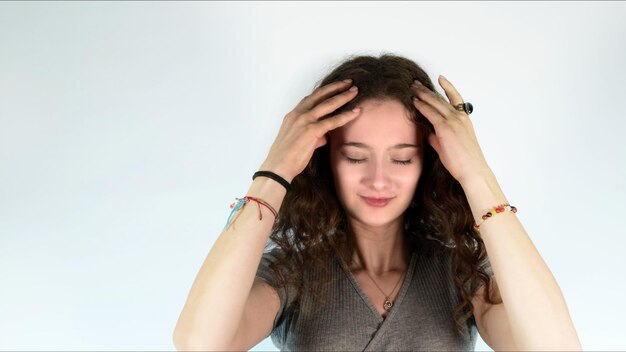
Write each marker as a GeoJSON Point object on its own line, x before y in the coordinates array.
{"type": "Point", "coordinates": [405, 284]}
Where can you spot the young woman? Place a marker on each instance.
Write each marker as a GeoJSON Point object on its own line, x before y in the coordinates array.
{"type": "Point", "coordinates": [387, 227]}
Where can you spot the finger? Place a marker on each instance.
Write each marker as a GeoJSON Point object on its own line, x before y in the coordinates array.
{"type": "Point", "coordinates": [429, 112]}
{"type": "Point", "coordinates": [321, 141]}
{"type": "Point", "coordinates": [432, 98]}
{"type": "Point", "coordinates": [434, 142]}
{"type": "Point", "coordinates": [320, 94]}
{"type": "Point", "coordinates": [453, 95]}
{"type": "Point", "coordinates": [333, 103]}
{"type": "Point", "coordinates": [337, 121]}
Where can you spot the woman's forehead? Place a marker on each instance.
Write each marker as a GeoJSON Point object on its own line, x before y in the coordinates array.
{"type": "Point", "coordinates": [380, 121]}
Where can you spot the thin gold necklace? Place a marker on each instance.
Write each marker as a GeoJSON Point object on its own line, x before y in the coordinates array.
{"type": "Point", "coordinates": [388, 302]}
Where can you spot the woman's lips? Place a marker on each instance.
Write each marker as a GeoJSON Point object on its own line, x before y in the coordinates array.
{"type": "Point", "coordinates": [376, 202]}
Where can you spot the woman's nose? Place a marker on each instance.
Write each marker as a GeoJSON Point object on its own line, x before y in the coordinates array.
{"type": "Point", "coordinates": [378, 175]}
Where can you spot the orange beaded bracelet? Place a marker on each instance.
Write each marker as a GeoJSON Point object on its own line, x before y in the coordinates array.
{"type": "Point", "coordinates": [498, 209]}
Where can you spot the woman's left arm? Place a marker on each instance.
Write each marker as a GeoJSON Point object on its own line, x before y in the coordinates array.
{"type": "Point", "coordinates": [537, 313]}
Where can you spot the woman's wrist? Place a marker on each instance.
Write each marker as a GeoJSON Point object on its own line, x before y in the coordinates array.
{"type": "Point", "coordinates": [483, 193]}
{"type": "Point", "coordinates": [282, 172]}
{"type": "Point", "coordinates": [269, 190]}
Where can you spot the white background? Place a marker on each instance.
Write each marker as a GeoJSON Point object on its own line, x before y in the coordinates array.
{"type": "Point", "coordinates": [127, 129]}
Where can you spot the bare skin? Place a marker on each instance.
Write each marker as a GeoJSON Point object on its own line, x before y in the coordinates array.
{"type": "Point", "coordinates": [386, 163]}
{"type": "Point", "coordinates": [206, 323]}
{"type": "Point", "coordinates": [378, 154]}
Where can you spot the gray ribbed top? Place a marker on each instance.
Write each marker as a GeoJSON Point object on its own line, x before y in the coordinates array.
{"type": "Point", "coordinates": [420, 319]}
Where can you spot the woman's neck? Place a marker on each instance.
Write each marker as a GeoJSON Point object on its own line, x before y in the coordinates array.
{"type": "Point", "coordinates": [379, 252]}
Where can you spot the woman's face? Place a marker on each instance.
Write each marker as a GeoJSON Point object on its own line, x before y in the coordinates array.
{"type": "Point", "coordinates": [377, 155]}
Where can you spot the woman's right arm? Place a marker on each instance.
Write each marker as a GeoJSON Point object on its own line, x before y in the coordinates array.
{"type": "Point", "coordinates": [214, 307]}
{"type": "Point", "coordinates": [213, 312]}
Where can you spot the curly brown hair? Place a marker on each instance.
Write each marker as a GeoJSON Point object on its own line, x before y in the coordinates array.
{"type": "Point", "coordinates": [312, 226]}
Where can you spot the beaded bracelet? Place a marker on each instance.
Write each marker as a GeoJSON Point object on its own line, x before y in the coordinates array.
{"type": "Point", "coordinates": [498, 209]}
{"type": "Point", "coordinates": [241, 202]}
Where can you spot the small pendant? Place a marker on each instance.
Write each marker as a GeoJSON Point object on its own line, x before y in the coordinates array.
{"type": "Point", "coordinates": [388, 304]}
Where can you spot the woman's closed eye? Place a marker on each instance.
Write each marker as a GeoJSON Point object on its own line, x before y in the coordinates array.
{"type": "Point", "coordinates": [358, 161]}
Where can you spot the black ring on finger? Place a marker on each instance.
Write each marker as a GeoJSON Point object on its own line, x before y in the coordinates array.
{"type": "Point", "coordinates": [467, 107]}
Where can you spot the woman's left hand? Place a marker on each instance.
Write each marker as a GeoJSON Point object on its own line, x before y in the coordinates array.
{"type": "Point", "coordinates": [454, 138]}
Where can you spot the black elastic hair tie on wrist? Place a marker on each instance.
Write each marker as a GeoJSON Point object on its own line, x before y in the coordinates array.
{"type": "Point", "coordinates": [274, 177]}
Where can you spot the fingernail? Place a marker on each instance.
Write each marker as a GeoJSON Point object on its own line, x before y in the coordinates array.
{"type": "Point", "coordinates": [347, 80]}
{"type": "Point", "coordinates": [353, 88]}
{"type": "Point", "coordinates": [418, 82]}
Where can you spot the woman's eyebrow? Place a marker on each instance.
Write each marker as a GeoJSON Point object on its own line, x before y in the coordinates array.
{"type": "Point", "coordinates": [365, 146]}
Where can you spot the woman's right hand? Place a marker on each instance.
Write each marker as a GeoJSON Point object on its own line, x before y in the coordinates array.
{"type": "Point", "coordinates": [303, 130]}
